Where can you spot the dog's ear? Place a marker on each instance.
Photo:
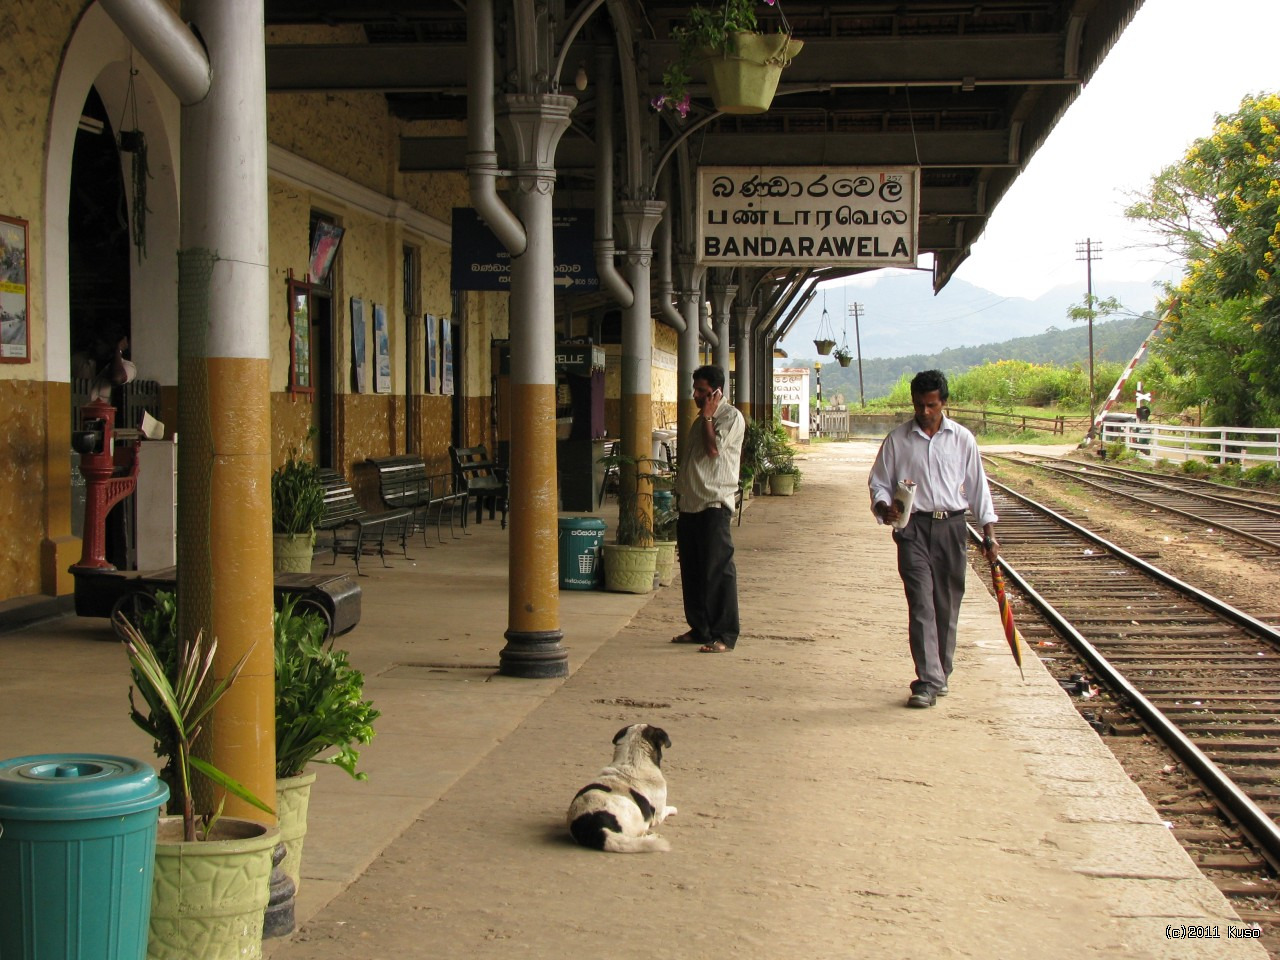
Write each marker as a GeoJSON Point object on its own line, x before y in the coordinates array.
{"type": "Point", "coordinates": [657, 736]}
{"type": "Point", "coordinates": [617, 737]}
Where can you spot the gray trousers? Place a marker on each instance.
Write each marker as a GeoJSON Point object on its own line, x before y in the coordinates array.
{"type": "Point", "coordinates": [932, 563]}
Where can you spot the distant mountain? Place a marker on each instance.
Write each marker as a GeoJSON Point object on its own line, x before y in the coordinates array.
{"type": "Point", "coordinates": [1114, 341]}
{"type": "Point", "coordinates": [900, 316]}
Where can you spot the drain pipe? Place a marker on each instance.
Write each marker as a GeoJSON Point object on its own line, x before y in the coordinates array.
{"type": "Point", "coordinates": [482, 157]}
{"type": "Point", "coordinates": [167, 43]}
{"type": "Point", "coordinates": [667, 311]}
{"type": "Point", "coordinates": [611, 280]}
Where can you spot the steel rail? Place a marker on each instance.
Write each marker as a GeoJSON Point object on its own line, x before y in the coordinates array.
{"type": "Point", "coordinates": [1234, 614]}
{"type": "Point", "coordinates": [1252, 820]}
{"type": "Point", "coordinates": [1101, 484]}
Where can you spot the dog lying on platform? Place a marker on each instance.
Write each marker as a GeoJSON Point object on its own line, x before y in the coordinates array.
{"type": "Point", "coordinates": [615, 811]}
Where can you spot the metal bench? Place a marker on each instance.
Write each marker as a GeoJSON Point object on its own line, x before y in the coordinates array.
{"type": "Point", "coordinates": [481, 479]}
{"type": "Point", "coordinates": [403, 483]}
{"type": "Point", "coordinates": [351, 525]}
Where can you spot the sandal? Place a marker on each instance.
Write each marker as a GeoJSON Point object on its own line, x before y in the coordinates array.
{"type": "Point", "coordinates": [715, 646]}
{"type": "Point", "coordinates": [687, 637]}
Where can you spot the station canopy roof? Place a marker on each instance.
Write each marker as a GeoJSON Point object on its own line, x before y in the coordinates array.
{"type": "Point", "coordinates": [966, 91]}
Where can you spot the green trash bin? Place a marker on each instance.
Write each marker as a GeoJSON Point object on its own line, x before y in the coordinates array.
{"type": "Point", "coordinates": [581, 539]}
{"type": "Point", "coordinates": [77, 856]}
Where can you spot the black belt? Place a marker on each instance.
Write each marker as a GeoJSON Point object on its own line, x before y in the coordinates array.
{"type": "Point", "coordinates": [940, 514]}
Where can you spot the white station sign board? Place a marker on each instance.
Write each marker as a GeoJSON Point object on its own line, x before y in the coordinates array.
{"type": "Point", "coordinates": [808, 216]}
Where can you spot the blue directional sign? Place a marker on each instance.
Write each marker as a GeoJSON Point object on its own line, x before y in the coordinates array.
{"type": "Point", "coordinates": [480, 262]}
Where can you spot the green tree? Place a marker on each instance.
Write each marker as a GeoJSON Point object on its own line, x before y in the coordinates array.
{"type": "Point", "coordinates": [1218, 211]}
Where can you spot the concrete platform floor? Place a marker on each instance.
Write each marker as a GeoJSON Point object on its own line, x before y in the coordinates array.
{"type": "Point", "coordinates": [818, 817]}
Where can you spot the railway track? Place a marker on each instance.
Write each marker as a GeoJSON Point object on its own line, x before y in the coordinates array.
{"type": "Point", "coordinates": [1250, 516]}
{"type": "Point", "coordinates": [1199, 674]}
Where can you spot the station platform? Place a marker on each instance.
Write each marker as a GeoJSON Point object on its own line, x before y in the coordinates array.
{"type": "Point", "coordinates": [818, 816]}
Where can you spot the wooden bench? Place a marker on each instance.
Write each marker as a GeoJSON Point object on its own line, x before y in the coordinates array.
{"type": "Point", "coordinates": [403, 483]}
{"type": "Point", "coordinates": [351, 525]}
{"type": "Point", "coordinates": [481, 480]}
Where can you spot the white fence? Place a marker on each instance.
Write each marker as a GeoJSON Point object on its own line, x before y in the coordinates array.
{"type": "Point", "coordinates": [1154, 441]}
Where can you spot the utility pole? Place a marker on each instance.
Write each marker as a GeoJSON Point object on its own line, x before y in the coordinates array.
{"type": "Point", "coordinates": [855, 311]}
{"type": "Point", "coordinates": [1088, 251]}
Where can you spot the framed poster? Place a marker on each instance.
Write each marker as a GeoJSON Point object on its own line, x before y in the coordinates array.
{"type": "Point", "coordinates": [381, 344]}
{"type": "Point", "coordinates": [433, 354]}
{"type": "Point", "coordinates": [15, 332]}
{"type": "Point", "coordinates": [300, 379]}
{"type": "Point", "coordinates": [357, 343]}
{"type": "Point", "coordinates": [446, 357]}
{"type": "Point", "coordinates": [324, 247]}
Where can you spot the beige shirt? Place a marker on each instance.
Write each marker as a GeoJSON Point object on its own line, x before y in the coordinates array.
{"type": "Point", "coordinates": [703, 480]}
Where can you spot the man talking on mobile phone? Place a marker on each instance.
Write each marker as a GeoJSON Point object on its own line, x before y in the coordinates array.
{"type": "Point", "coordinates": [706, 485]}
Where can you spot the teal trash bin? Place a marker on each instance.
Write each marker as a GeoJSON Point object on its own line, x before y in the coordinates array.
{"type": "Point", "coordinates": [581, 540]}
{"type": "Point", "coordinates": [77, 856]}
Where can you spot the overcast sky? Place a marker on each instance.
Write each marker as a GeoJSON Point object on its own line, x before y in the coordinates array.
{"type": "Point", "coordinates": [1176, 65]}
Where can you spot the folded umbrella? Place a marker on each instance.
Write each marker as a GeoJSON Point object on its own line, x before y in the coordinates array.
{"type": "Point", "coordinates": [1006, 616]}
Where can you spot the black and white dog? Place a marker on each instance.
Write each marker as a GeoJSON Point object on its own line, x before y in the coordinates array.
{"type": "Point", "coordinates": [615, 811]}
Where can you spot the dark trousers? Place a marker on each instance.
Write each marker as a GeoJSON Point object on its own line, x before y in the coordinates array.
{"type": "Point", "coordinates": [932, 563]}
{"type": "Point", "coordinates": [708, 575]}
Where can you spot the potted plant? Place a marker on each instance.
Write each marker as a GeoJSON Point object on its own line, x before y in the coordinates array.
{"type": "Point", "coordinates": [631, 560]}
{"type": "Point", "coordinates": [665, 516]}
{"type": "Point", "coordinates": [320, 706]}
{"type": "Point", "coordinates": [779, 460]}
{"type": "Point", "coordinates": [297, 506]}
{"type": "Point", "coordinates": [742, 65]}
{"type": "Point", "coordinates": [843, 355]}
{"type": "Point", "coordinates": [212, 872]}
{"type": "Point", "coordinates": [754, 445]}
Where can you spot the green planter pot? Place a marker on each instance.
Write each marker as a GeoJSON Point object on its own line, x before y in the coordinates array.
{"type": "Point", "coordinates": [292, 553]}
{"type": "Point", "coordinates": [208, 896]}
{"type": "Point", "coordinates": [745, 80]}
{"type": "Point", "coordinates": [629, 569]}
{"type": "Point", "coordinates": [666, 563]}
{"type": "Point", "coordinates": [293, 797]}
{"type": "Point", "coordinates": [782, 484]}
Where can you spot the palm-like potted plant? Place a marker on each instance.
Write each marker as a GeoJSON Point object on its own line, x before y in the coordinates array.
{"type": "Point", "coordinates": [212, 872]}
{"type": "Point", "coordinates": [631, 560]}
{"type": "Point", "coordinates": [780, 461]}
{"type": "Point", "coordinates": [297, 506]}
{"type": "Point", "coordinates": [665, 516]}
{"type": "Point", "coordinates": [320, 707]}
{"type": "Point", "coordinates": [742, 65]}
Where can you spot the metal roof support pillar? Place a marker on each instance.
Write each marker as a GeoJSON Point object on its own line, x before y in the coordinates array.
{"type": "Point", "coordinates": [689, 301]}
{"type": "Point", "coordinates": [639, 221]}
{"type": "Point", "coordinates": [532, 125]}
{"type": "Point", "coordinates": [743, 314]}
{"type": "Point", "coordinates": [224, 461]}
{"type": "Point", "coordinates": [722, 296]}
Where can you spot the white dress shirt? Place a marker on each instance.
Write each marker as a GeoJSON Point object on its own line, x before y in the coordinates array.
{"type": "Point", "coordinates": [946, 469]}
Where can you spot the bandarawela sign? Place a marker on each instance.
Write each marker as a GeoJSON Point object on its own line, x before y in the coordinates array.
{"type": "Point", "coordinates": [808, 216]}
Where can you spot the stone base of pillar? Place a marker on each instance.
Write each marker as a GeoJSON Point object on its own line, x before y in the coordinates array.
{"type": "Point", "coordinates": [534, 655]}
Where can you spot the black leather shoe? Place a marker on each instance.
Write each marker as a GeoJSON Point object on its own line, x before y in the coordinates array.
{"type": "Point", "coordinates": [921, 699]}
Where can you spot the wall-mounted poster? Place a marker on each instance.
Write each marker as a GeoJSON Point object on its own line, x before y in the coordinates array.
{"type": "Point", "coordinates": [382, 344]}
{"type": "Point", "coordinates": [324, 247]}
{"type": "Point", "coordinates": [433, 355]}
{"type": "Point", "coordinates": [357, 342]}
{"type": "Point", "coordinates": [446, 356]}
{"type": "Point", "coordinates": [15, 335]}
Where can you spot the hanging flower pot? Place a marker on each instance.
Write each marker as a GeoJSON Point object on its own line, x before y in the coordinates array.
{"type": "Point", "coordinates": [824, 346]}
{"type": "Point", "coordinates": [744, 78]}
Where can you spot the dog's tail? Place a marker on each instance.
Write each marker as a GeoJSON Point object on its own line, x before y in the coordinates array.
{"type": "Point", "coordinates": [649, 843]}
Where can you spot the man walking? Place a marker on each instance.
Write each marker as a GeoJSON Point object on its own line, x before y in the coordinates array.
{"type": "Point", "coordinates": [706, 485]}
{"type": "Point", "coordinates": [941, 458]}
